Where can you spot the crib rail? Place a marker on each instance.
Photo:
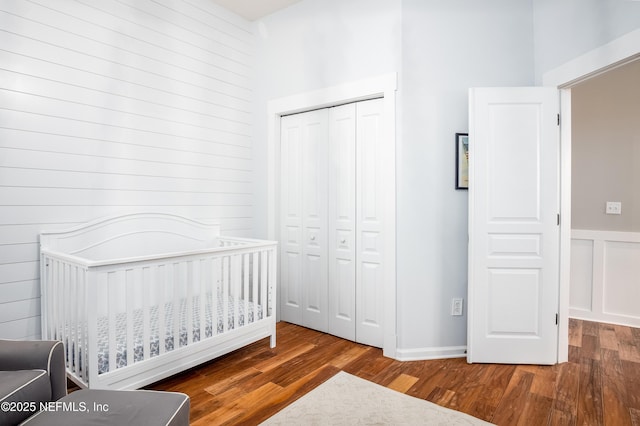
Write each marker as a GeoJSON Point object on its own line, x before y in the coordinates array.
{"type": "Point", "coordinates": [112, 315]}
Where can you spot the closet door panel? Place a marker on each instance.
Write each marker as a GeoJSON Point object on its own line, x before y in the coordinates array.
{"type": "Point", "coordinates": [314, 297]}
{"type": "Point", "coordinates": [369, 198]}
{"type": "Point", "coordinates": [369, 308]}
{"type": "Point", "coordinates": [314, 218]}
{"type": "Point", "coordinates": [291, 217]}
{"type": "Point", "coordinates": [292, 287]}
{"type": "Point", "coordinates": [342, 211]}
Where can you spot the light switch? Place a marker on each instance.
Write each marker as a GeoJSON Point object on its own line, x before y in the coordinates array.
{"type": "Point", "coordinates": [614, 207]}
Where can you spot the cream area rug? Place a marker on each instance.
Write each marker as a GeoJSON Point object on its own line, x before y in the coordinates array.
{"type": "Point", "coordinates": [349, 400]}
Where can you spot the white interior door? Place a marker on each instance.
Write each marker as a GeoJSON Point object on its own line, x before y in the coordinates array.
{"type": "Point", "coordinates": [513, 225]}
{"type": "Point", "coordinates": [304, 145]}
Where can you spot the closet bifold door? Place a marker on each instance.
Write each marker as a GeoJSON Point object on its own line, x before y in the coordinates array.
{"type": "Point", "coordinates": [369, 223]}
{"type": "Point", "coordinates": [342, 221]}
{"type": "Point", "coordinates": [304, 267]}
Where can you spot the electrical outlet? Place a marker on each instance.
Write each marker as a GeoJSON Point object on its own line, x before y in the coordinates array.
{"type": "Point", "coordinates": [614, 207]}
{"type": "Point", "coordinates": [456, 306]}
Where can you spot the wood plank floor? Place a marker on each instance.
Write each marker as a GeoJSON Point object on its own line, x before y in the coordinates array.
{"type": "Point", "coordinates": [600, 385]}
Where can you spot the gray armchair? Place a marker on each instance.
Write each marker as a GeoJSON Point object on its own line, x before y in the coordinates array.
{"type": "Point", "coordinates": [31, 372]}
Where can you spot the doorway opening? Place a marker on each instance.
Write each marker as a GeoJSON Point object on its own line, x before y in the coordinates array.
{"type": "Point", "coordinates": [616, 53]}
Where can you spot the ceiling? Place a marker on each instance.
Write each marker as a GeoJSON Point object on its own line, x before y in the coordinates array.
{"type": "Point", "coordinates": [254, 9]}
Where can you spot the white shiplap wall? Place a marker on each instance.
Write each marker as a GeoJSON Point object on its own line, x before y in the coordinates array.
{"type": "Point", "coordinates": [114, 106]}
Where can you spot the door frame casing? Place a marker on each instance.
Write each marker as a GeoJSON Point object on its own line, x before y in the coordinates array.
{"type": "Point", "coordinates": [383, 86]}
{"type": "Point", "coordinates": [618, 52]}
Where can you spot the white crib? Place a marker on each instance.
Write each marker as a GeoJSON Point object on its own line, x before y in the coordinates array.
{"type": "Point", "coordinates": [140, 297]}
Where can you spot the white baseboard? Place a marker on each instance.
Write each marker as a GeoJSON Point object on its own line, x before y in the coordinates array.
{"type": "Point", "coordinates": [606, 318]}
{"type": "Point", "coordinates": [422, 354]}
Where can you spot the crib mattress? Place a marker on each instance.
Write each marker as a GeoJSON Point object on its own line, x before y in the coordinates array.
{"type": "Point", "coordinates": [253, 313]}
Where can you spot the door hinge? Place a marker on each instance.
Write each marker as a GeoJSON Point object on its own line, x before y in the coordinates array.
{"type": "Point", "coordinates": [558, 119]}
{"type": "Point", "coordinates": [558, 219]}
{"type": "Point", "coordinates": [556, 319]}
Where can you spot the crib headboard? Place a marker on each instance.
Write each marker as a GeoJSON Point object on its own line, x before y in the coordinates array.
{"type": "Point", "coordinates": [132, 235]}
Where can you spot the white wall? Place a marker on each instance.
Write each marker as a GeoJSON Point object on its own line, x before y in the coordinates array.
{"type": "Point", "coordinates": [447, 48]}
{"type": "Point", "coordinates": [313, 45]}
{"type": "Point", "coordinates": [566, 29]}
{"type": "Point", "coordinates": [114, 106]}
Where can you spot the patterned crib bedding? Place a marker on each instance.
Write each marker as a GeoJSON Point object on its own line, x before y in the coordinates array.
{"type": "Point", "coordinates": [254, 313]}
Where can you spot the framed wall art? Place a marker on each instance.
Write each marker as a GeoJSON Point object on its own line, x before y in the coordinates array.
{"type": "Point", "coordinates": [462, 161]}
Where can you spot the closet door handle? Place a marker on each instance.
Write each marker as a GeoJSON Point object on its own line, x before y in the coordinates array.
{"type": "Point", "coordinates": [342, 241]}
{"type": "Point", "coordinates": [313, 238]}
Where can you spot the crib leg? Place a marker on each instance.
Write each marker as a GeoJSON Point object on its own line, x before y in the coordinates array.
{"type": "Point", "coordinates": [273, 339]}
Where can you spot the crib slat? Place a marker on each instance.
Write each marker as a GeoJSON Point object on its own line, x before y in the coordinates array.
{"type": "Point", "coordinates": [44, 295]}
{"type": "Point", "coordinates": [254, 281]}
{"type": "Point", "coordinates": [190, 301]}
{"type": "Point", "coordinates": [245, 286]}
{"type": "Point", "coordinates": [70, 317]}
{"type": "Point", "coordinates": [90, 356]}
{"type": "Point", "coordinates": [236, 275]}
{"type": "Point", "coordinates": [202, 291]}
{"type": "Point", "coordinates": [113, 280]}
{"type": "Point", "coordinates": [72, 327]}
{"type": "Point", "coordinates": [44, 315]}
{"type": "Point", "coordinates": [147, 278]}
{"type": "Point", "coordinates": [61, 299]}
{"type": "Point", "coordinates": [175, 306]}
{"type": "Point", "coordinates": [129, 281]}
{"type": "Point", "coordinates": [271, 288]}
{"type": "Point", "coordinates": [225, 293]}
{"type": "Point", "coordinates": [77, 321]}
{"type": "Point", "coordinates": [62, 320]}
{"type": "Point", "coordinates": [55, 295]}
{"type": "Point", "coordinates": [57, 300]}
{"type": "Point", "coordinates": [163, 276]}
{"type": "Point", "coordinates": [263, 282]}
{"type": "Point", "coordinates": [53, 298]}
{"type": "Point", "coordinates": [64, 304]}
{"type": "Point", "coordinates": [81, 368]}
{"type": "Point", "coordinates": [216, 283]}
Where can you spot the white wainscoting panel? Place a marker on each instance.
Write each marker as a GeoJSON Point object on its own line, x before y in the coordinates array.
{"type": "Point", "coordinates": [580, 294]}
{"type": "Point", "coordinates": [116, 106]}
{"type": "Point", "coordinates": [605, 277]}
{"type": "Point", "coordinates": [622, 278]}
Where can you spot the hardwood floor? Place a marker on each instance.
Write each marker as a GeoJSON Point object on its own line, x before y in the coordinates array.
{"type": "Point", "coordinates": [600, 385]}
